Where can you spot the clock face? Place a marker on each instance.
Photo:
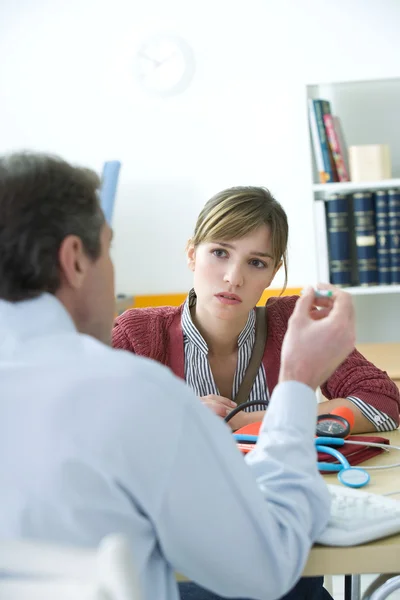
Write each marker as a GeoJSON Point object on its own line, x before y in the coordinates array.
{"type": "Point", "coordinates": [165, 64]}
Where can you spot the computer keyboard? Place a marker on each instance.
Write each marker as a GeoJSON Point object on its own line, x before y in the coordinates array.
{"type": "Point", "coordinates": [358, 517]}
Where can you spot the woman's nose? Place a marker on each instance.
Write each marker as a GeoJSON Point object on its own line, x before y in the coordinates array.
{"type": "Point", "coordinates": [234, 276]}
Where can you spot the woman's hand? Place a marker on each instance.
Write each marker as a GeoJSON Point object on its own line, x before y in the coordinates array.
{"type": "Point", "coordinates": [245, 418]}
{"type": "Point", "coordinates": [218, 404]}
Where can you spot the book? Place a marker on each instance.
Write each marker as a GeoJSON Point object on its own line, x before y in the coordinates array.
{"type": "Point", "coordinates": [321, 240]}
{"type": "Point", "coordinates": [334, 145]}
{"type": "Point", "coordinates": [342, 142]}
{"type": "Point", "coordinates": [326, 110]}
{"type": "Point", "coordinates": [339, 242]}
{"type": "Point", "coordinates": [365, 238]}
{"type": "Point", "coordinates": [319, 160]}
{"type": "Point", "coordinates": [394, 235]}
{"type": "Point", "coordinates": [382, 237]}
{"type": "Point", "coordinates": [322, 152]}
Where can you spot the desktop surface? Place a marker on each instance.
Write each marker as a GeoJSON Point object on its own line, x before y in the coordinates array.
{"type": "Point", "coordinates": [379, 556]}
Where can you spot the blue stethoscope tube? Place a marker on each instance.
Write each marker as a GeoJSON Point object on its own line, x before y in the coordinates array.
{"type": "Point", "coordinates": [242, 437]}
{"type": "Point", "coordinates": [351, 476]}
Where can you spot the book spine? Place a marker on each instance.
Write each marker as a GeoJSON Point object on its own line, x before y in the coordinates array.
{"type": "Point", "coordinates": [342, 142]}
{"type": "Point", "coordinates": [321, 241]}
{"type": "Point", "coordinates": [319, 115]}
{"type": "Point", "coordinates": [326, 110]}
{"type": "Point", "coordinates": [334, 145]}
{"type": "Point", "coordinates": [337, 216]}
{"type": "Point", "coordinates": [382, 237]}
{"type": "Point", "coordinates": [394, 235]}
{"type": "Point", "coordinates": [365, 238]}
{"type": "Point", "coordinates": [319, 161]}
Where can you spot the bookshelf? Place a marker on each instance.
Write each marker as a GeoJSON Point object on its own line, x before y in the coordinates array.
{"type": "Point", "coordinates": [373, 290]}
{"type": "Point", "coordinates": [325, 189]}
{"type": "Point", "coordinates": [368, 112]}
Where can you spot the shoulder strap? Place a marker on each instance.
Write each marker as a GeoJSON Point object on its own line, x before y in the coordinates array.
{"type": "Point", "coordinates": [256, 356]}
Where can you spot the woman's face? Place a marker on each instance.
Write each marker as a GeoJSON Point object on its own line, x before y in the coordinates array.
{"type": "Point", "coordinates": [229, 277]}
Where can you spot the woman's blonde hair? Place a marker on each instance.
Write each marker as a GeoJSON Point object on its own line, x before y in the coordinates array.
{"type": "Point", "coordinates": [235, 212]}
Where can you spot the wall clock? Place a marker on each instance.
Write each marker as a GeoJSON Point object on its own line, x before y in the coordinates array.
{"type": "Point", "coordinates": [164, 64]}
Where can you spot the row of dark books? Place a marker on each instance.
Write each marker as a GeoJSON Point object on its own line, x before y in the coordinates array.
{"type": "Point", "coordinates": [364, 238]}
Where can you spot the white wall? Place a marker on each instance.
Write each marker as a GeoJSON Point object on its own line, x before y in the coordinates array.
{"type": "Point", "coordinates": [66, 86]}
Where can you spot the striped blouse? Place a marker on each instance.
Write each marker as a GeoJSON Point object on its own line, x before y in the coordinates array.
{"type": "Point", "coordinates": [199, 377]}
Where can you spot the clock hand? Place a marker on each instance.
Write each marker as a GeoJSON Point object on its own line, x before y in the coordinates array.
{"type": "Point", "coordinates": [170, 56]}
{"type": "Point", "coordinates": [165, 60]}
{"type": "Point", "coordinates": [153, 60]}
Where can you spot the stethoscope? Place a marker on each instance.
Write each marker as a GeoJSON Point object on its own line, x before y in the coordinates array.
{"type": "Point", "coordinates": [354, 477]}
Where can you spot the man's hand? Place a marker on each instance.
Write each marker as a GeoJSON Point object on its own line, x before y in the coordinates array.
{"type": "Point", "coordinates": [219, 405]}
{"type": "Point", "coordinates": [317, 341]}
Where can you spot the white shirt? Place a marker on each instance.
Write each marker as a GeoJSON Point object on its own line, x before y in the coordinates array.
{"type": "Point", "coordinates": [198, 374]}
{"type": "Point", "coordinates": [95, 440]}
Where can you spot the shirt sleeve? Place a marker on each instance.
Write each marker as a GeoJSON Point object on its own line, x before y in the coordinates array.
{"type": "Point", "coordinates": [243, 527]}
{"type": "Point", "coordinates": [378, 418]}
{"type": "Point", "coordinates": [357, 378]}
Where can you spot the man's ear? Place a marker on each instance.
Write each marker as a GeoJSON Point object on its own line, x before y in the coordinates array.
{"type": "Point", "coordinates": [191, 256]}
{"type": "Point", "coordinates": [73, 261]}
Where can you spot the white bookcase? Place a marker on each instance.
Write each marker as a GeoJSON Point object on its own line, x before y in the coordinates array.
{"type": "Point", "coordinates": [369, 113]}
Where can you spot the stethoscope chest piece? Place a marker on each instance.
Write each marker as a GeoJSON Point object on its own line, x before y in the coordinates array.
{"type": "Point", "coordinates": [354, 477]}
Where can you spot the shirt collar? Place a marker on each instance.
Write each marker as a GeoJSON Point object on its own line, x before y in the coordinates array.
{"type": "Point", "coordinates": [249, 329]}
{"type": "Point", "coordinates": [40, 316]}
{"type": "Point", "coordinates": [191, 332]}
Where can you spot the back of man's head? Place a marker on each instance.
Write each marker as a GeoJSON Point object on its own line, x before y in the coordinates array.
{"type": "Point", "coordinates": [42, 201]}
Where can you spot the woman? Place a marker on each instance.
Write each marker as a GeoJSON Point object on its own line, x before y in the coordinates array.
{"type": "Point", "coordinates": [239, 244]}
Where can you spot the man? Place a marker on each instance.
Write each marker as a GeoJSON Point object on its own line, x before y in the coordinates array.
{"type": "Point", "coordinates": [95, 440]}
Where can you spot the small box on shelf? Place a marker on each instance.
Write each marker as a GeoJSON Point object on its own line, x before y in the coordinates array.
{"type": "Point", "coordinates": [370, 162]}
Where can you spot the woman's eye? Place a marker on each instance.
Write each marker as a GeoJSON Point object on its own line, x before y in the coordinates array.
{"type": "Point", "coordinates": [219, 253]}
{"type": "Point", "coordinates": [258, 263]}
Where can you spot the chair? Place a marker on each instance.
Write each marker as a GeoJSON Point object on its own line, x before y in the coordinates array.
{"type": "Point", "coordinates": [108, 190]}
{"type": "Point", "coordinates": [31, 570]}
{"type": "Point", "coordinates": [382, 587]}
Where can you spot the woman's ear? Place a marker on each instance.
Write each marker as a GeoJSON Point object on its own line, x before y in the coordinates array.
{"type": "Point", "coordinates": [191, 255]}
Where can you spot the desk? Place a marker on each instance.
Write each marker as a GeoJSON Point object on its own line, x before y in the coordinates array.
{"type": "Point", "coordinates": [381, 556]}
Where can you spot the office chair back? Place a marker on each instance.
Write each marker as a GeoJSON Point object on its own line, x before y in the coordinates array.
{"type": "Point", "coordinates": [31, 570]}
